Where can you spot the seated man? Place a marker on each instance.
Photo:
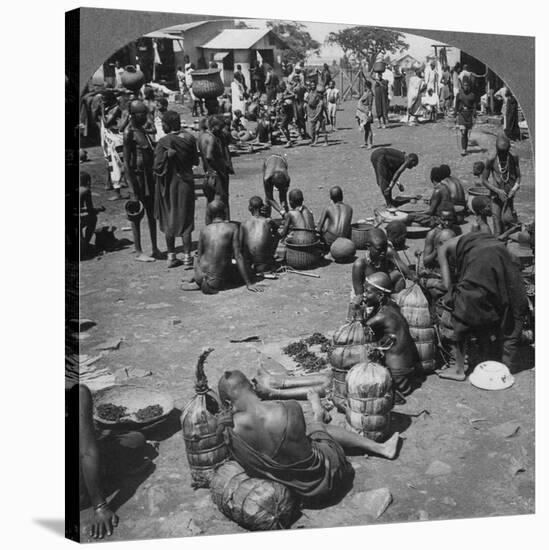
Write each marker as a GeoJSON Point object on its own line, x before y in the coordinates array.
{"type": "Point", "coordinates": [396, 235]}
{"type": "Point", "coordinates": [238, 130]}
{"type": "Point", "coordinates": [299, 217]}
{"type": "Point", "coordinates": [379, 258]}
{"type": "Point", "coordinates": [488, 298]}
{"type": "Point", "coordinates": [440, 194]}
{"type": "Point", "coordinates": [482, 209]}
{"type": "Point", "coordinates": [454, 185]}
{"type": "Point", "coordinates": [275, 175]}
{"type": "Point", "coordinates": [88, 214]}
{"type": "Point", "coordinates": [446, 220]}
{"type": "Point", "coordinates": [389, 327]}
{"type": "Point", "coordinates": [259, 237]}
{"type": "Point", "coordinates": [431, 279]}
{"type": "Point", "coordinates": [335, 220]}
{"type": "Point", "coordinates": [218, 244]}
{"type": "Point", "coordinates": [270, 440]}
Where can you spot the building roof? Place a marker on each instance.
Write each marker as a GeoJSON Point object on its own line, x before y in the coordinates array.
{"type": "Point", "coordinates": [160, 34]}
{"type": "Point", "coordinates": [403, 57]}
{"type": "Point", "coordinates": [237, 39]}
{"type": "Point", "coordinates": [186, 26]}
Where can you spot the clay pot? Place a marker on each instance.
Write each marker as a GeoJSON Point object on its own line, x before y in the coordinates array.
{"type": "Point", "coordinates": [132, 78]}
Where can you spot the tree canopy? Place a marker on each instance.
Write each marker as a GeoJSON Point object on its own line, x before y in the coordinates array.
{"type": "Point", "coordinates": [299, 42]}
{"type": "Point", "coordinates": [368, 43]}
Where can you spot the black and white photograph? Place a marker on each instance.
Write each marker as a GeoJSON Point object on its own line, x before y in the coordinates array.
{"type": "Point", "coordinates": [300, 275]}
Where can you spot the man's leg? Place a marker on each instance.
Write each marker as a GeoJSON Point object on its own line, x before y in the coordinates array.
{"type": "Point", "coordinates": [349, 440]}
{"type": "Point", "coordinates": [511, 343]}
{"type": "Point", "coordinates": [148, 203]}
{"type": "Point", "coordinates": [136, 232]}
{"type": "Point", "coordinates": [457, 372]}
{"type": "Point", "coordinates": [497, 209]}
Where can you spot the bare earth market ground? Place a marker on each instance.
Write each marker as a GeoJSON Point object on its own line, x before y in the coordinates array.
{"type": "Point", "coordinates": [163, 330]}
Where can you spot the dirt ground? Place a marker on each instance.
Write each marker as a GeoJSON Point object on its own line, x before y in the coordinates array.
{"type": "Point", "coordinates": [163, 330]}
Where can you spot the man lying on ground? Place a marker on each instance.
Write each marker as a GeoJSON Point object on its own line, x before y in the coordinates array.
{"type": "Point", "coordinates": [259, 237]}
{"type": "Point", "coordinates": [271, 440]}
{"type": "Point", "coordinates": [335, 220]}
{"type": "Point", "coordinates": [218, 244]}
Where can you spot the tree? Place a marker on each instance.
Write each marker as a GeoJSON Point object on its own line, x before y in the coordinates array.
{"type": "Point", "coordinates": [299, 43]}
{"type": "Point", "coordinates": [368, 43]}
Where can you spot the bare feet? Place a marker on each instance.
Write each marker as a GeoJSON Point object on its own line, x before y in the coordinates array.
{"type": "Point", "coordinates": [142, 257]}
{"type": "Point", "coordinates": [451, 373]}
{"type": "Point", "coordinates": [189, 285]}
{"type": "Point", "coordinates": [320, 414]}
{"type": "Point", "coordinates": [390, 447]}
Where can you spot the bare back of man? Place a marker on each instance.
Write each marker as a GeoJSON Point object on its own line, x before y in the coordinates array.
{"type": "Point", "coordinates": [336, 222]}
{"type": "Point", "coordinates": [259, 241]}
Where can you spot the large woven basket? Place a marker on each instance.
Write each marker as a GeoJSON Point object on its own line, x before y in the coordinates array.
{"type": "Point", "coordinates": [302, 256]}
{"type": "Point", "coordinates": [359, 234]}
{"type": "Point", "coordinates": [207, 83]}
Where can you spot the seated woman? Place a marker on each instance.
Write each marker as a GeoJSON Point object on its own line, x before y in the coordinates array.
{"type": "Point", "coordinates": [299, 218]}
{"type": "Point", "coordinates": [389, 326]}
{"type": "Point", "coordinates": [379, 257]}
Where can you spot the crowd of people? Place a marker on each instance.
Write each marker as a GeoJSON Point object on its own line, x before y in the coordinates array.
{"type": "Point", "coordinates": [473, 282]}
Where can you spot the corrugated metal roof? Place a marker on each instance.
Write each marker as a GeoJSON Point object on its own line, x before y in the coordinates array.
{"type": "Point", "coordinates": [236, 39]}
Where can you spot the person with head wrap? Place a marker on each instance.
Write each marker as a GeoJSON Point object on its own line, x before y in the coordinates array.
{"type": "Point", "coordinates": [138, 163]}
{"type": "Point", "coordinates": [504, 170]}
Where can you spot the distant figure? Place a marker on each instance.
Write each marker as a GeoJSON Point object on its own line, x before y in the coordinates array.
{"type": "Point", "coordinates": [511, 128]}
{"type": "Point", "coordinates": [88, 214]}
{"type": "Point", "coordinates": [239, 77]}
{"type": "Point", "coordinates": [364, 115]}
{"type": "Point", "coordinates": [259, 237]}
{"type": "Point", "coordinates": [335, 220]}
{"type": "Point", "coordinates": [466, 113]}
{"type": "Point", "coordinates": [332, 97]}
{"type": "Point", "coordinates": [381, 100]}
{"type": "Point", "coordinates": [271, 85]}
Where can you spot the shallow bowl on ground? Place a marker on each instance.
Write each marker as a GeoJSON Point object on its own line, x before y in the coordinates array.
{"type": "Point", "coordinates": [417, 232]}
{"type": "Point", "coordinates": [491, 375]}
{"type": "Point", "coordinates": [134, 399]}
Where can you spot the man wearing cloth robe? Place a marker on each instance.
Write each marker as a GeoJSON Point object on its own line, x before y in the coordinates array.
{"type": "Point", "coordinates": [271, 440]}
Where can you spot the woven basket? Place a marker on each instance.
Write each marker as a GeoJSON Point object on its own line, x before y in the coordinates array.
{"type": "Point", "coordinates": [207, 84]}
{"type": "Point", "coordinates": [339, 389]}
{"type": "Point", "coordinates": [359, 234]}
{"type": "Point", "coordinates": [255, 504]}
{"type": "Point", "coordinates": [373, 427]}
{"type": "Point", "coordinates": [133, 398]}
{"type": "Point", "coordinates": [302, 256]}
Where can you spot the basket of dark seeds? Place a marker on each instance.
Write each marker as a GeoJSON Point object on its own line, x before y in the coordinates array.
{"type": "Point", "coordinates": [130, 405]}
